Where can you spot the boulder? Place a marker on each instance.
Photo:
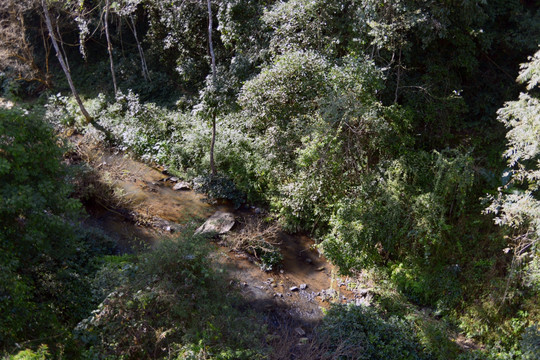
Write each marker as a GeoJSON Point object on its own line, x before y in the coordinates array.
{"type": "Point", "coordinates": [181, 185]}
{"type": "Point", "coordinates": [219, 223]}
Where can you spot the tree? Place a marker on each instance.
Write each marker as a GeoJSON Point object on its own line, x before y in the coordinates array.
{"type": "Point", "coordinates": [62, 59]}
{"type": "Point", "coordinates": [38, 246]}
{"type": "Point", "coordinates": [517, 204]}
{"type": "Point", "coordinates": [213, 57]}
{"type": "Point", "coordinates": [109, 44]}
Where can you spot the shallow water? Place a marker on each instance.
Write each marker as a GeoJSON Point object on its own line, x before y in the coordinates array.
{"type": "Point", "coordinates": [151, 195]}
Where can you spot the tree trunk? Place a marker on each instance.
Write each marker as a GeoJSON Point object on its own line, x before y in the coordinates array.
{"type": "Point", "coordinates": [144, 67]}
{"type": "Point", "coordinates": [61, 59]}
{"type": "Point", "coordinates": [109, 45]}
{"type": "Point", "coordinates": [212, 144]}
{"type": "Point", "coordinates": [63, 64]}
{"type": "Point", "coordinates": [398, 78]}
{"type": "Point", "coordinates": [212, 55]}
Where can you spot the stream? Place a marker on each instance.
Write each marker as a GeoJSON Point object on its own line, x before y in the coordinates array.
{"type": "Point", "coordinates": [304, 285]}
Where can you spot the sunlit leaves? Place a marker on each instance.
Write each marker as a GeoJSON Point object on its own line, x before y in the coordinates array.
{"type": "Point", "coordinates": [517, 205]}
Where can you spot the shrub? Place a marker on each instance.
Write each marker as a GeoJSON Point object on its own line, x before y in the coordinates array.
{"type": "Point", "coordinates": [166, 307]}
{"type": "Point", "coordinates": [360, 333]}
{"type": "Point", "coordinates": [408, 211]}
{"type": "Point", "coordinates": [41, 354]}
{"type": "Point", "coordinates": [219, 187]}
{"type": "Point", "coordinates": [45, 257]}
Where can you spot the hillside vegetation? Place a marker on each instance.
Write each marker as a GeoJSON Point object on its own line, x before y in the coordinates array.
{"type": "Point", "coordinates": [403, 136]}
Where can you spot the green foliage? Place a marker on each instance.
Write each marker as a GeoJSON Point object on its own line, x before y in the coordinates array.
{"type": "Point", "coordinates": [41, 354]}
{"type": "Point", "coordinates": [176, 30]}
{"type": "Point", "coordinates": [408, 211]}
{"type": "Point", "coordinates": [530, 343]}
{"type": "Point", "coordinates": [270, 257]}
{"type": "Point", "coordinates": [219, 188]}
{"type": "Point", "coordinates": [45, 256]}
{"type": "Point", "coordinates": [360, 333]}
{"type": "Point", "coordinates": [286, 90]}
{"type": "Point", "coordinates": [309, 114]}
{"type": "Point", "coordinates": [323, 26]}
{"type": "Point", "coordinates": [167, 301]}
{"type": "Point", "coordinates": [516, 205]}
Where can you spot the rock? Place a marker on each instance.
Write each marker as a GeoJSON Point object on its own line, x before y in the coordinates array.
{"type": "Point", "coordinates": [364, 292]}
{"type": "Point", "coordinates": [182, 185]}
{"type": "Point", "coordinates": [219, 223]}
{"type": "Point", "coordinates": [173, 179]}
{"type": "Point", "coordinates": [294, 288]}
{"type": "Point", "coordinates": [165, 225]}
{"type": "Point", "coordinates": [303, 286]}
{"type": "Point", "coordinates": [330, 292]}
{"type": "Point", "coordinates": [300, 331]}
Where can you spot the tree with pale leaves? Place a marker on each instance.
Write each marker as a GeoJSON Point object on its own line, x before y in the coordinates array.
{"type": "Point", "coordinates": [517, 204]}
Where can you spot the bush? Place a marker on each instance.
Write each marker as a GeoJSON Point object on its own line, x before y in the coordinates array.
{"type": "Point", "coordinates": [45, 258]}
{"type": "Point", "coordinates": [409, 211]}
{"type": "Point", "coordinates": [166, 306]}
{"type": "Point", "coordinates": [41, 354]}
{"type": "Point", "coordinates": [356, 332]}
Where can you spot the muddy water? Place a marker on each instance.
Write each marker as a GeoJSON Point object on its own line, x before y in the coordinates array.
{"type": "Point", "coordinates": [146, 199]}
{"type": "Point", "coordinates": [150, 195]}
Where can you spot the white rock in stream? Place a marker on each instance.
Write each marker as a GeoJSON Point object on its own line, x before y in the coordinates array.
{"type": "Point", "coordinates": [219, 223]}
{"type": "Point", "coordinates": [182, 185]}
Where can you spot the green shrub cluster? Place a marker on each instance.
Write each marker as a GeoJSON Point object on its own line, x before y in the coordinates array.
{"type": "Point", "coordinates": [406, 210]}
{"type": "Point", "coordinates": [356, 332]}
{"type": "Point", "coordinates": [45, 256]}
{"type": "Point", "coordinates": [165, 306]}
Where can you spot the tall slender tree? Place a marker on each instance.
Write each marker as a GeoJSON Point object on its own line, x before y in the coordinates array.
{"type": "Point", "coordinates": [61, 58]}
{"type": "Point", "coordinates": [109, 44]}
{"type": "Point", "coordinates": [63, 63]}
{"type": "Point", "coordinates": [213, 57]}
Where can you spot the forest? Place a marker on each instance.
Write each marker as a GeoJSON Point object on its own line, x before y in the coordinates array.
{"type": "Point", "coordinates": [381, 159]}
